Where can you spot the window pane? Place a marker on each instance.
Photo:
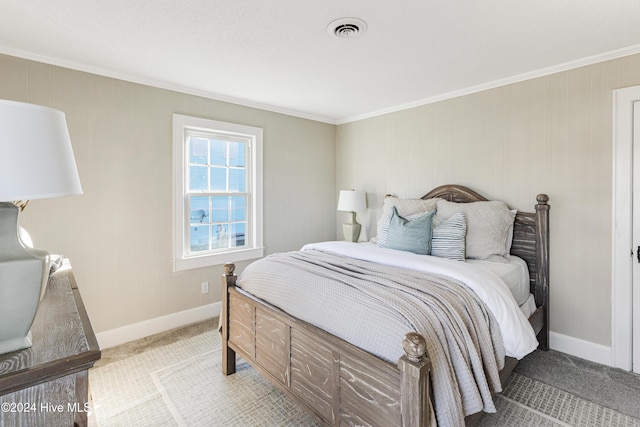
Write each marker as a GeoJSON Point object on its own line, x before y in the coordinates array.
{"type": "Point", "coordinates": [238, 212]}
{"type": "Point", "coordinates": [218, 152]}
{"type": "Point", "coordinates": [218, 179]}
{"type": "Point", "coordinates": [199, 210]}
{"type": "Point", "coordinates": [199, 238]}
{"type": "Point", "coordinates": [198, 178]}
{"type": "Point", "coordinates": [198, 150]}
{"type": "Point", "coordinates": [236, 153]}
{"type": "Point", "coordinates": [237, 234]}
{"type": "Point", "coordinates": [220, 236]}
{"type": "Point", "coordinates": [220, 209]}
{"type": "Point", "coordinates": [236, 180]}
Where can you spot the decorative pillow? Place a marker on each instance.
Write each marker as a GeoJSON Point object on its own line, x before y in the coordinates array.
{"type": "Point", "coordinates": [406, 208]}
{"type": "Point", "coordinates": [487, 227]}
{"type": "Point", "coordinates": [410, 235]}
{"type": "Point", "coordinates": [448, 238]}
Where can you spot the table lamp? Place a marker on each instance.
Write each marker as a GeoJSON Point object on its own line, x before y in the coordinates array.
{"type": "Point", "coordinates": [352, 201]}
{"type": "Point", "coordinates": [36, 162]}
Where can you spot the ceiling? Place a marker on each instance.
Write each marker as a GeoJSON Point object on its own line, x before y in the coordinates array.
{"type": "Point", "coordinates": [278, 55]}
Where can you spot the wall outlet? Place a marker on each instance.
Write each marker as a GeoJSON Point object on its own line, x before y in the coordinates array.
{"type": "Point", "coordinates": [204, 287]}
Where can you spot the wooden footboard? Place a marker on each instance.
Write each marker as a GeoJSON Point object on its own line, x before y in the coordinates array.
{"type": "Point", "coordinates": [335, 381]}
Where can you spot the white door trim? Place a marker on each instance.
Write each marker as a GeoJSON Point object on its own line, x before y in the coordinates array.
{"type": "Point", "coordinates": [622, 245]}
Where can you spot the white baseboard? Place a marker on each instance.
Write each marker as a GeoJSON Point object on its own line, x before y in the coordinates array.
{"type": "Point", "coordinates": [574, 346]}
{"type": "Point", "coordinates": [583, 349]}
{"type": "Point", "coordinates": [145, 328]}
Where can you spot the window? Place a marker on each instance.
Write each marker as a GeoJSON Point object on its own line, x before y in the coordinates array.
{"type": "Point", "coordinates": [218, 192]}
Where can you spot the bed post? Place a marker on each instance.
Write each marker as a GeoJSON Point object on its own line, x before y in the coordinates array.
{"type": "Point", "coordinates": [228, 355]}
{"type": "Point", "coordinates": [414, 367]}
{"type": "Point", "coordinates": [542, 267]}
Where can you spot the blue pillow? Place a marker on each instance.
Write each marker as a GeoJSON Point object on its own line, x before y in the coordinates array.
{"type": "Point", "coordinates": [412, 235]}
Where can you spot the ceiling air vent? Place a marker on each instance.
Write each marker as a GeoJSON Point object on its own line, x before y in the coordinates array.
{"type": "Point", "coordinates": [347, 28]}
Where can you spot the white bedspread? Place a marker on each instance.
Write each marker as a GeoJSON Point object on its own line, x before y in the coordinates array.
{"type": "Point", "coordinates": [518, 335]}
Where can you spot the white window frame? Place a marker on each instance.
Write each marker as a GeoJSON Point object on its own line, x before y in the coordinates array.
{"type": "Point", "coordinates": [253, 248]}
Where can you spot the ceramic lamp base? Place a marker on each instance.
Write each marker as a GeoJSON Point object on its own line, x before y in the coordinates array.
{"type": "Point", "coordinates": [351, 231]}
{"type": "Point", "coordinates": [23, 276]}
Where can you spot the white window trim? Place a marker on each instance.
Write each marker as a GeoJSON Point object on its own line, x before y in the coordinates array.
{"type": "Point", "coordinates": [255, 247]}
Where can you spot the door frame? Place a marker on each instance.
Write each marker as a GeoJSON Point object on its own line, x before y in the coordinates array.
{"type": "Point", "coordinates": [622, 242]}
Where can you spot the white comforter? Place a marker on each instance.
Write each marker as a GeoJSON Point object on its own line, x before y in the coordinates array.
{"type": "Point", "coordinates": [517, 333]}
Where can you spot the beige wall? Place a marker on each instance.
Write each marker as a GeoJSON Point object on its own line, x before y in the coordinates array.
{"type": "Point", "coordinates": [548, 135]}
{"type": "Point", "coordinates": [118, 234]}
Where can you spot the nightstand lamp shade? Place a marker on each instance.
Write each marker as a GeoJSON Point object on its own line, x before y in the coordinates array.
{"type": "Point", "coordinates": [36, 162]}
{"type": "Point", "coordinates": [352, 201]}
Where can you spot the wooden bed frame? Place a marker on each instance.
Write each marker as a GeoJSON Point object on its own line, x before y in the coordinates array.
{"type": "Point", "coordinates": [341, 384]}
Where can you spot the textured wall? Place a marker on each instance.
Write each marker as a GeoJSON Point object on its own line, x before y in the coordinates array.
{"type": "Point", "coordinates": [118, 235]}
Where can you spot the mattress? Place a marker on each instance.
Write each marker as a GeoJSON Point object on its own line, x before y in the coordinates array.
{"type": "Point", "coordinates": [529, 306]}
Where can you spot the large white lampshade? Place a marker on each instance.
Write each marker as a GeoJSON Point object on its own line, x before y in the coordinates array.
{"type": "Point", "coordinates": [36, 162]}
{"type": "Point", "coordinates": [352, 201]}
{"type": "Point", "coordinates": [36, 157]}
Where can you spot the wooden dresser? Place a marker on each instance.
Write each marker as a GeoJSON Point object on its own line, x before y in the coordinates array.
{"type": "Point", "coordinates": [47, 384]}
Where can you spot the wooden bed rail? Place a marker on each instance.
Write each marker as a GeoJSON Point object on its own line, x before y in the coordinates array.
{"type": "Point", "coordinates": [401, 396]}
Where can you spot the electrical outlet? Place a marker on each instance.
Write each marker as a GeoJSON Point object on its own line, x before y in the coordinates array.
{"type": "Point", "coordinates": [204, 287]}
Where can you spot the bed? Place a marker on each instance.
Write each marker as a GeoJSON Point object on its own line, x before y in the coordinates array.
{"type": "Point", "coordinates": [339, 379]}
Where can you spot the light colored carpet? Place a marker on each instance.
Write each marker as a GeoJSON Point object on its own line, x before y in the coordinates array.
{"type": "Point", "coordinates": [180, 384]}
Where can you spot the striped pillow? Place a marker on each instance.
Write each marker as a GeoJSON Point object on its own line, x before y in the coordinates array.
{"type": "Point", "coordinates": [448, 239]}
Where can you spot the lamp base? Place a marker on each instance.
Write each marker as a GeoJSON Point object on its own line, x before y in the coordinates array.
{"type": "Point", "coordinates": [16, 344]}
{"type": "Point", "coordinates": [23, 276]}
{"type": "Point", "coordinates": [351, 231]}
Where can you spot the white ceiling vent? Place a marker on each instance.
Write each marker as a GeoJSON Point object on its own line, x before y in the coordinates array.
{"type": "Point", "coordinates": [347, 28]}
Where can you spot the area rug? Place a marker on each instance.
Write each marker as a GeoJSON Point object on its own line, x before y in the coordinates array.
{"type": "Point", "coordinates": [181, 384]}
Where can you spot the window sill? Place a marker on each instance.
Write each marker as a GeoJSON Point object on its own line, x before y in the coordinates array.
{"type": "Point", "coordinates": [217, 259]}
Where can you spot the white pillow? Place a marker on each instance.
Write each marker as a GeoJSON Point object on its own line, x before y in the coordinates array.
{"type": "Point", "coordinates": [488, 225]}
{"type": "Point", "coordinates": [406, 208]}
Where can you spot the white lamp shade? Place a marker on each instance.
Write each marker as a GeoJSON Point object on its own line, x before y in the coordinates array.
{"type": "Point", "coordinates": [36, 157]}
{"type": "Point", "coordinates": [352, 201]}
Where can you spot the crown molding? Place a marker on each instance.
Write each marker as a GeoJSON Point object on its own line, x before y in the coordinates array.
{"type": "Point", "coordinates": [607, 56]}
{"type": "Point", "coordinates": [129, 77]}
{"type": "Point", "coordinates": [160, 84]}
